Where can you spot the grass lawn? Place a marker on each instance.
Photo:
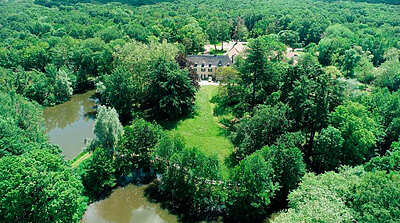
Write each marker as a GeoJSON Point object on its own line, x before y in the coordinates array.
{"type": "Point", "coordinates": [202, 130]}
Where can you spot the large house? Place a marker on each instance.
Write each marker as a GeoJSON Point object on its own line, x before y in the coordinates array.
{"type": "Point", "coordinates": [206, 65]}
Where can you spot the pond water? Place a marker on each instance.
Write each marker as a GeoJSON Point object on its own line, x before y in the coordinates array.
{"type": "Point", "coordinates": [127, 205]}
{"type": "Point", "coordinates": [68, 124]}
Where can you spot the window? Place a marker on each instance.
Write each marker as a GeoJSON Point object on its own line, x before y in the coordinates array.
{"type": "Point", "coordinates": [195, 65]}
{"type": "Point", "coordinates": [209, 65]}
{"type": "Point", "coordinates": [210, 70]}
{"type": "Point", "coordinates": [203, 70]}
{"type": "Point", "coordinates": [202, 65]}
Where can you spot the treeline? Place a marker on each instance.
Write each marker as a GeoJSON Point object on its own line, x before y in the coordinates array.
{"type": "Point", "coordinates": [53, 3]}
{"type": "Point", "coordinates": [393, 2]}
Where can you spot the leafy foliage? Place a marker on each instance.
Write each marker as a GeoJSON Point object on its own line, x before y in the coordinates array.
{"type": "Point", "coordinates": [327, 150]}
{"type": "Point", "coordinates": [125, 50]}
{"type": "Point", "coordinates": [191, 181]}
{"type": "Point", "coordinates": [38, 186]}
{"type": "Point", "coordinates": [108, 129]}
{"type": "Point", "coordinates": [98, 174]}
{"type": "Point", "coordinates": [376, 197]}
{"type": "Point", "coordinates": [153, 85]}
{"type": "Point", "coordinates": [385, 107]}
{"type": "Point", "coordinates": [263, 128]}
{"type": "Point", "coordinates": [347, 196]}
{"type": "Point", "coordinates": [389, 162]}
{"type": "Point", "coordinates": [165, 149]}
{"type": "Point", "coordinates": [359, 131]}
{"type": "Point", "coordinates": [253, 189]}
{"type": "Point", "coordinates": [136, 146]}
{"type": "Point", "coordinates": [20, 125]}
{"type": "Point", "coordinates": [289, 168]}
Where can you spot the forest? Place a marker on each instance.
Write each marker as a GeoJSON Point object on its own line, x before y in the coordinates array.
{"type": "Point", "coordinates": [316, 140]}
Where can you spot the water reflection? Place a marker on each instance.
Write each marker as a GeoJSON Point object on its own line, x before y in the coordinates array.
{"type": "Point", "coordinates": [127, 205]}
{"type": "Point", "coordinates": [68, 124]}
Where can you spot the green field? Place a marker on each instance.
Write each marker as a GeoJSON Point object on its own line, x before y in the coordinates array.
{"type": "Point", "coordinates": [202, 130]}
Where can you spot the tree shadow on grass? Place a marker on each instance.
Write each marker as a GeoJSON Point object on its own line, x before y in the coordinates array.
{"type": "Point", "coordinates": [173, 124]}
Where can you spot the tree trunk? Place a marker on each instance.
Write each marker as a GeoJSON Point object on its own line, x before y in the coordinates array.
{"type": "Point", "coordinates": [222, 46]}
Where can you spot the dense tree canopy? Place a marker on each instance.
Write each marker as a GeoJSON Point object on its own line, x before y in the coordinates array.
{"type": "Point", "coordinates": [347, 196]}
{"type": "Point", "coordinates": [192, 182]}
{"type": "Point", "coordinates": [20, 125]}
{"type": "Point", "coordinates": [38, 186]}
{"type": "Point", "coordinates": [153, 85]}
{"type": "Point", "coordinates": [262, 129]}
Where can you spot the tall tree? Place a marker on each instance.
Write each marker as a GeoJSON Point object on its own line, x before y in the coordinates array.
{"type": "Point", "coordinates": [311, 94]}
{"type": "Point", "coordinates": [191, 181]}
{"type": "Point", "coordinates": [107, 128]}
{"type": "Point", "coordinates": [153, 86]}
{"type": "Point", "coordinates": [257, 68]}
{"type": "Point", "coordinates": [98, 174]}
{"type": "Point", "coordinates": [252, 189]}
{"type": "Point", "coordinates": [218, 31]}
{"type": "Point", "coordinates": [327, 150]}
{"type": "Point", "coordinates": [289, 168]}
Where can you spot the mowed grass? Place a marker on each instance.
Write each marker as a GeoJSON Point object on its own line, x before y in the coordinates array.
{"type": "Point", "coordinates": [202, 130]}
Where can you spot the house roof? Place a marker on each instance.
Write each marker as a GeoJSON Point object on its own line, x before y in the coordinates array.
{"type": "Point", "coordinates": [238, 47]}
{"type": "Point", "coordinates": [214, 60]}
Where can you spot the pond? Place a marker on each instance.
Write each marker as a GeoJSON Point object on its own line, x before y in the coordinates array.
{"type": "Point", "coordinates": [127, 205]}
{"type": "Point", "coordinates": [68, 124]}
